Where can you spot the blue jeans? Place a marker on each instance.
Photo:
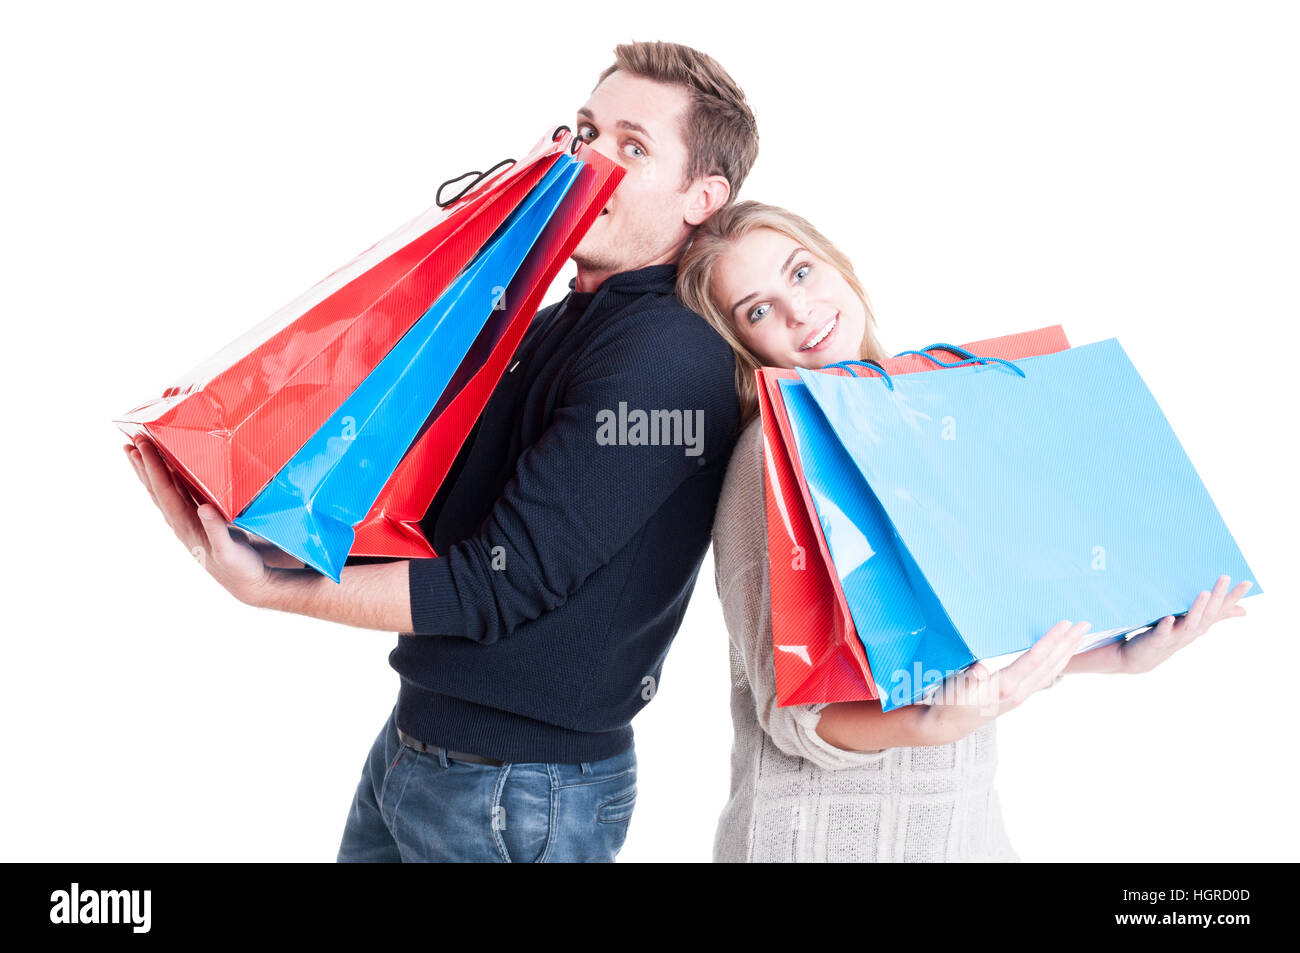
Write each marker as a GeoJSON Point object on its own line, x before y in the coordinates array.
{"type": "Point", "coordinates": [419, 806]}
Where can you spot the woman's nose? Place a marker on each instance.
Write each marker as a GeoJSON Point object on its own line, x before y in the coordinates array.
{"type": "Point", "coordinates": [800, 309]}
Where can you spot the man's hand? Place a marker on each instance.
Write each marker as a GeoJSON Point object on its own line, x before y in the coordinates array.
{"type": "Point", "coordinates": [236, 564]}
{"type": "Point", "coordinates": [1144, 652]}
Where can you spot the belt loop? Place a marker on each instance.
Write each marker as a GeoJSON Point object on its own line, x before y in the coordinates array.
{"type": "Point", "coordinates": [442, 757]}
{"type": "Point", "coordinates": [586, 767]}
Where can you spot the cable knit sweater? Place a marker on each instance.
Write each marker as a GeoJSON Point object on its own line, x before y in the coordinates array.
{"type": "Point", "coordinates": [796, 797]}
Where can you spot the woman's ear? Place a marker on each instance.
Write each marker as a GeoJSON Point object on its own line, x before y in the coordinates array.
{"type": "Point", "coordinates": [707, 196]}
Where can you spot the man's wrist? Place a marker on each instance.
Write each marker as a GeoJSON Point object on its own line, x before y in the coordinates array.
{"type": "Point", "coordinates": [286, 590]}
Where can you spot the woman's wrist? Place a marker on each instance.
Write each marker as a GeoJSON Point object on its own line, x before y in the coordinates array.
{"type": "Point", "coordinates": [943, 724]}
{"type": "Point", "coordinates": [1104, 660]}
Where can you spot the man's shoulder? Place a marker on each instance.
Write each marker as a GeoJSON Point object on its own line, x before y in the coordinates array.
{"type": "Point", "coordinates": [662, 321]}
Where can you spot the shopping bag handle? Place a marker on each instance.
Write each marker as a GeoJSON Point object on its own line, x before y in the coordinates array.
{"type": "Point", "coordinates": [970, 358]}
{"type": "Point", "coordinates": [561, 130]}
{"type": "Point", "coordinates": [951, 348]}
{"type": "Point", "coordinates": [872, 365]}
{"type": "Point", "coordinates": [479, 177]}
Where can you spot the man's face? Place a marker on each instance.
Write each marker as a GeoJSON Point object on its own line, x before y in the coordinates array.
{"type": "Point", "coordinates": [637, 123]}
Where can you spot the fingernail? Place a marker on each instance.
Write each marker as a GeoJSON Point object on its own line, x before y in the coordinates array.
{"type": "Point", "coordinates": [1248, 585]}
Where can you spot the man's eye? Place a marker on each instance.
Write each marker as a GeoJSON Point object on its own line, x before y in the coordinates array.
{"type": "Point", "coordinates": [759, 313]}
{"type": "Point", "coordinates": [583, 129]}
{"type": "Point", "coordinates": [802, 272]}
{"type": "Point", "coordinates": [633, 151]}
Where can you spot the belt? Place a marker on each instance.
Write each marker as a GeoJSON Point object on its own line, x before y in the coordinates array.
{"type": "Point", "coordinates": [451, 755]}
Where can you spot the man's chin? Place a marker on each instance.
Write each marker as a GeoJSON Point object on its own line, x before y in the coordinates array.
{"type": "Point", "coordinates": [589, 256]}
{"type": "Point", "coordinates": [589, 247]}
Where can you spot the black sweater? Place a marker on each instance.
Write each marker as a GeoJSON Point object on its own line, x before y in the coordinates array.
{"type": "Point", "coordinates": [571, 530]}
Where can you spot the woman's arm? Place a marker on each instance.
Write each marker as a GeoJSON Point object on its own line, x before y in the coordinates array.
{"type": "Point", "coordinates": [966, 700]}
{"type": "Point", "coordinates": [862, 725]}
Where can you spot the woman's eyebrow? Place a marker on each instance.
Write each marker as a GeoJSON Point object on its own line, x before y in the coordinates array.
{"type": "Point", "coordinates": [784, 269]}
{"type": "Point", "coordinates": [748, 297]}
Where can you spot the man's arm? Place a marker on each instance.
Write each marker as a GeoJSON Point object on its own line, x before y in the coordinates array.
{"type": "Point", "coordinates": [573, 503]}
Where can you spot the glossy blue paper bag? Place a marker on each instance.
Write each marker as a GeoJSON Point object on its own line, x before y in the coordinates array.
{"type": "Point", "coordinates": [311, 506]}
{"type": "Point", "coordinates": [896, 619]}
{"type": "Point", "coordinates": [1018, 495]}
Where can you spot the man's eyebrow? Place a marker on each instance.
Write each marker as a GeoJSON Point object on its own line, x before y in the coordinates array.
{"type": "Point", "coordinates": [627, 124]}
{"type": "Point", "coordinates": [752, 296]}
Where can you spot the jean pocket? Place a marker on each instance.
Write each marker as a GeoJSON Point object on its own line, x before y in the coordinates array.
{"type": "Point", "coordinates": [394, 762]}
{"type": "Point", "coordinates": [617, 808]}
{"type": "Point", "coordinates": [521, 819]}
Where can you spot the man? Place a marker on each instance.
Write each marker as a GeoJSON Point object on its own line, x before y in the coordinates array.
{"type": "Point", "coordinates": [571, 536]}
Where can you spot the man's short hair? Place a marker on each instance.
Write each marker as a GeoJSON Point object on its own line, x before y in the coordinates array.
{"type": "Point", "coordinates": [720, 132]}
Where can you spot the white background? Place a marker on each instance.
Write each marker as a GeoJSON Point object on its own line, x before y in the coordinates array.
{"type": "Point", "coordinates": [172, 174]}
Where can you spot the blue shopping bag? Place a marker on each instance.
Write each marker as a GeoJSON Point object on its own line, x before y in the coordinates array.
{"type": "Point", "coordinates": [897, 620]}
{"type": "Point", "coordinates": [1018, 495]}
{"type": "Point", "coordinates": [311, 506]}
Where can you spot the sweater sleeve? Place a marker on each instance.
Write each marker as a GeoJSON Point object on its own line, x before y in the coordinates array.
{"type": "Point", "coordinates": [742, 577]}
{"type": "Point", "coordinates": [577, 497]}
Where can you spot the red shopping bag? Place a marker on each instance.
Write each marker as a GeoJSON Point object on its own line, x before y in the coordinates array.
{"type": "Point", "coordinates": [234, 421]}
{"type": "Point", "coordinates": [818, 655]}
{"type": "Point", "coordinates": [391, 528]}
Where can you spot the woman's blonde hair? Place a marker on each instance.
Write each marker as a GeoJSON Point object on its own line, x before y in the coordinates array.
{"type": "Point", "coordinates": [695, 277]}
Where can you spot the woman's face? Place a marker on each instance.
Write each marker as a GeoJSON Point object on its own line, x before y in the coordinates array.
{"type": "Point", "coordinates": [791, 308]}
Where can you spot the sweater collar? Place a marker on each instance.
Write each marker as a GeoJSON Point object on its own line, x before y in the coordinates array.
{"type": "Point", "coordinates": [654, 278]}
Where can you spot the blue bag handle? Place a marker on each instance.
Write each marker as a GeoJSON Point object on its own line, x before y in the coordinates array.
{"type": "Point", "coordinates": [873, 365]}
{"type": "Point", "coordinates": [969, 357]}
{"type": "Point", "coordinates": [951, 348]}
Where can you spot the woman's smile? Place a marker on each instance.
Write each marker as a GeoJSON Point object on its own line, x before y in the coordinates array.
{"type": "Point", "coordinates": [820, 337]}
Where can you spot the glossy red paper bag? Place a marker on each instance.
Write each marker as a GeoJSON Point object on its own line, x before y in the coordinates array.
{"type": "Point", "coordinates": [228, 426]}
{"type": "Point", "coordinates": [391, 528]}
{"type": "Point", "coordinates": [818, 655]}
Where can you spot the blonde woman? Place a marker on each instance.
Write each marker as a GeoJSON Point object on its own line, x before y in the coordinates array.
{"type": "Point", "coordinates": [846, 781]}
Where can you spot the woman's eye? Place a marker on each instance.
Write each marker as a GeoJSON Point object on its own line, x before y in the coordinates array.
{"type": "Point", "coordinates": [759, 312]}
{"type": "Point", "coordinates": [633, 151]}
{"type": "Point", "coordinates": [802, 272]}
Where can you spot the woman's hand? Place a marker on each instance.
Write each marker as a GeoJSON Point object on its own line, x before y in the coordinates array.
{"type": "Point", "coordinates": [972, 697]}
{"type": "Point", "coordinates": [1144, 652]}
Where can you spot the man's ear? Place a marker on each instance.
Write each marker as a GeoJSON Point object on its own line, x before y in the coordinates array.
{"type": "Point", "coordinates": [707, 196]}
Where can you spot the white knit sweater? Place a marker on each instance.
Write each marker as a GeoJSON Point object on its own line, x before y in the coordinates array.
{"type": "Point", "coordinates": [794, 796]}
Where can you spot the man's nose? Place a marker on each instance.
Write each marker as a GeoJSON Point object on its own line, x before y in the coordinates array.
{"type": "Point", "coordinates": [606, 146]}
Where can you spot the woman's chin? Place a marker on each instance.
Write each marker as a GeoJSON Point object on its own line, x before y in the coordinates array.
{"type": "Point", "coordinates": [817, 360]}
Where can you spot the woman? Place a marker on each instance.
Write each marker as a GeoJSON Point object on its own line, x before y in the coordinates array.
{"type": "Point", "coordinates": [846, 781]}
